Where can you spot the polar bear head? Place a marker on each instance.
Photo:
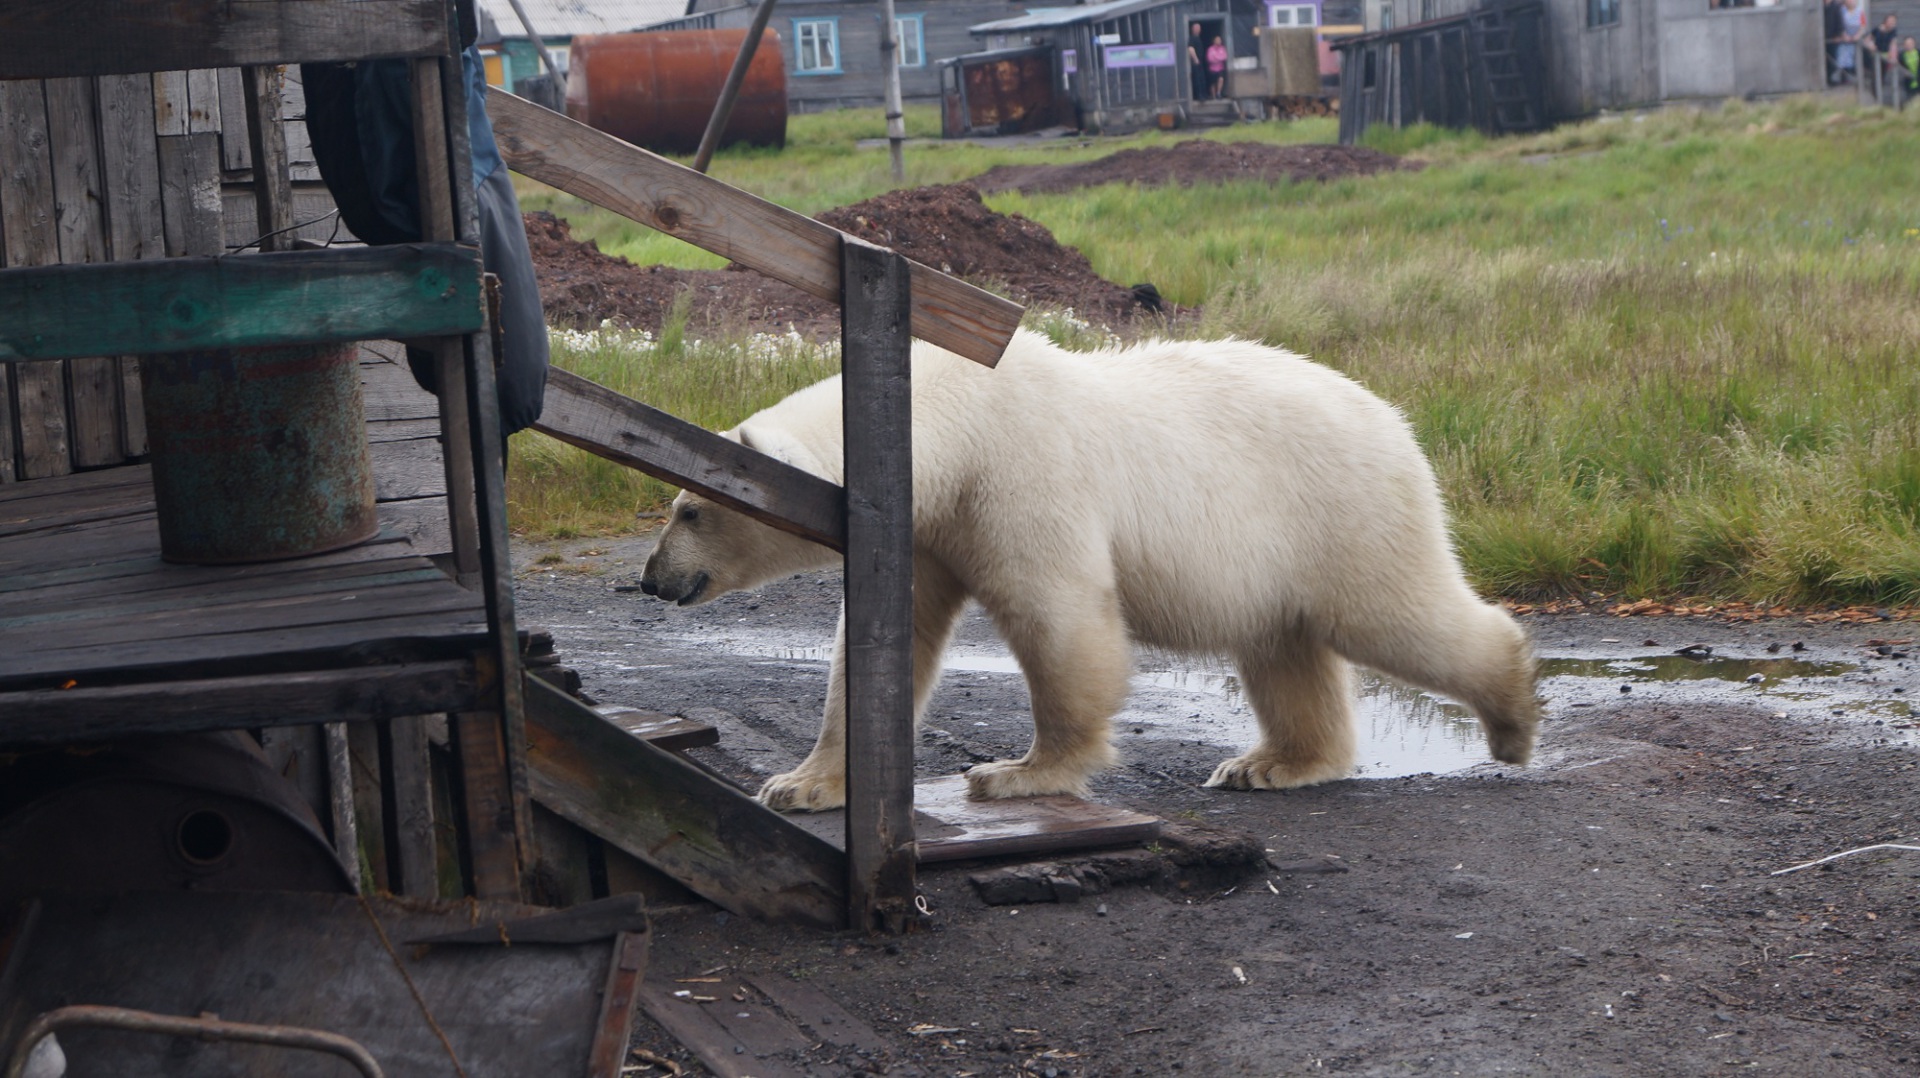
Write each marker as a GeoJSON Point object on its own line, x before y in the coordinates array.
{"type": "Point", "coordinates": [707, 550]}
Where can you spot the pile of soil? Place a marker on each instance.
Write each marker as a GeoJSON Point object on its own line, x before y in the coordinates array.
{"type": "Point", "coordinates": [1194, 162]}
{"type": "Point", "coordinates": [947, 227]}
{"type": "Point", "coordinates": [580, 287]}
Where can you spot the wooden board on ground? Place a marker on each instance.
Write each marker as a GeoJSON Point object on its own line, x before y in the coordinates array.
{"type": "Point", "coordinates": [670, 732]}
{"type": "Point", "coordinates": [952, 827]}
{"type": "Point", "coordinates": [766, 1025]}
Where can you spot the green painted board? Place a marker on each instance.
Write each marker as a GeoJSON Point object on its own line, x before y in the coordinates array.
{"type": "Point", "coordinates": [234, 301]}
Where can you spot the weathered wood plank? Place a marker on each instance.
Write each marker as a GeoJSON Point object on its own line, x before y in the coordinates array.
{"type": "Point", "coordinates": [80, 195]}
{"type": "Point", "coordinates": [741, 1048]}
{"type": "Point", "coordinates": [674, 733]}
{"type": "Point", "coordinates": [343, 825]}
{"type": "Point", "coordinates": [272, 190]}
{"type": "Point", "coordinates": [677, 818]}
{"type": "Point", "coordinates": [122, 36]}
{"type": "Point", "coordinates": [407, 468]}
{"type": "Point", "coordinates": [709, 214]}
{"type": "Point", "coordinates": [235, 154]}
{"type": "Point", "coordinates": [479, 747]}
{"type": "Point", "coordinates": [178, 304]}
{"type": "Point", "coordinates": [190, 194]}
{"type": "Point", "coordinates": [83, 713]}
{"type": "Point", "coordinates": [131, 578]}
{"type": "Point", "coordinates": [171, 604]}
{"type": "Point", "coordinates": [400, 638]}
{"type": "Point", "coordinates": [27, 220]}
{"type": "Point", "coordinates": [613, 1030]}
{"type": "Point", "coordinates": [601, 421]}
{"type": "Point", "coordinates": [203, 101]}
{"type": "Point", "coordinates": [136, 224]}
{"type": "Point", "coordinates": [408, 780]}
{"type": "Point", "coordinates": [878, 624]}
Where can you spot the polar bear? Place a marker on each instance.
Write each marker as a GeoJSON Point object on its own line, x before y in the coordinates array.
{"type": "Point", "coordinates": [1217, 497]}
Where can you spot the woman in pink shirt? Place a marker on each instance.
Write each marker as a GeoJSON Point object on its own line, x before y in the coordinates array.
{"type": "Point", "coordinates": [1217, 67]}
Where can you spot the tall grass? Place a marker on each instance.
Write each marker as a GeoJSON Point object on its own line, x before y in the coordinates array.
{"type": "Point", "coordinates": [1669, 355]}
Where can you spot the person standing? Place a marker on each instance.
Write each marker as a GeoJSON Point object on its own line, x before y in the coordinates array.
{"type": "Point", "coordinates": [1853, 26]}
{"type": "Point", "coordinates": [1197, 60]}
{"type": "Point", "coordinates": [1217, 67]}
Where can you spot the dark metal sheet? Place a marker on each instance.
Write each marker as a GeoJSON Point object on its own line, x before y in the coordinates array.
{"type": "Point", "coordinates": [307, 960]}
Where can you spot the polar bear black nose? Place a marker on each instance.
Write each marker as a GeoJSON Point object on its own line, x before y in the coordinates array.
{"type": "Point", "coordinates": [647, 585]}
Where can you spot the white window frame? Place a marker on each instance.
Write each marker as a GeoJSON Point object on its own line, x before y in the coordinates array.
{"type": "Point", "coordinates": [1293, 10]}
{"type": "Point", "coordinates": [809, 35]}
{"type": "Point", "coordinates": [911, 32]}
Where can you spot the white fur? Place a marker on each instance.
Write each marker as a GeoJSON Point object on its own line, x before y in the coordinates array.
{"type": "Point", "coordinates": [1213, 497]}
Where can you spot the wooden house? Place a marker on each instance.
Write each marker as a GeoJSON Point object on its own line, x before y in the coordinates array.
{"type": "Point", "coordinates": [832, 47]}
{"type": "Point", "coordinates": [1620, 54]}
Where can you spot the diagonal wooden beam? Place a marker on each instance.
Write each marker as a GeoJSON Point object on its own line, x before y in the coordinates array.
{"type": "Point", "coordinates": [704, 832]}
{"type": "Point", "coordinates": [733, 224]}
{"type": "Point", "coordinates": [597, 419]}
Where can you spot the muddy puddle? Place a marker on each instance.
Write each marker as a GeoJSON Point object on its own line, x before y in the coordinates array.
{"type": "Point", "coordinates": [1407, 731]}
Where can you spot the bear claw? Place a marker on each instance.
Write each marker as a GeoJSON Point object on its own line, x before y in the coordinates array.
{"type": "Point", "coordinates": [1263, 773]}
{"type": "Point", "coordinates": [1017, 778]}
{"type": "Point", "coordinates": [798, 791]}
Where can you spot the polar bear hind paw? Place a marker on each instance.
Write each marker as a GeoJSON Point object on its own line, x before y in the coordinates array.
{"type": "Point", "coordinates": [803, 791]}
{"type": "Point", "coordinates": [1017, 778]}
{"type": "Point", "coordinates": [1256, 772]}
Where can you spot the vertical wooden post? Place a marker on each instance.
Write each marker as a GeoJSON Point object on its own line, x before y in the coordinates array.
{"type": "Point", "coordinates": [407, 778]}
{"type": "Point", "coordinates": [272, 187]}
{"type": "Point", "coordinates": [877, 416]}
{"type": "Point", "coordinates": [504, 780]}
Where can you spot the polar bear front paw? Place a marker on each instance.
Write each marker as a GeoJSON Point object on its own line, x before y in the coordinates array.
{"type": "Point", "coordinates": [1256, 772]}
{"type": "Point", "coordinates": [803, 791]}
{"type": "Point", "coordinates": [1017, 778]}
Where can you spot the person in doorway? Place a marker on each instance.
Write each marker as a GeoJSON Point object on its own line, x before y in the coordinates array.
{"type": "Point", "coordinates": [1217, 67]}
{"type": "Point", "coordinates": [1197, 60]}
{"type": "Point", "coordinates": [1853, 27]}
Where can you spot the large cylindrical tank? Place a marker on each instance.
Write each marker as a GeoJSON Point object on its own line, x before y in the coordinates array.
{"type": "Point", "coordinates": [657, 90]}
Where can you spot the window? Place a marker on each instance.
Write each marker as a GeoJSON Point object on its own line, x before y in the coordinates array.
{"type": "Point", "coordinates": [1386, 15]}
{"type": "Point", "coordinates": [1603, 13]}
{"type": "Point", "coordinates": [1293, 15]}
{"type": "Point", "coordinates": [816, 46]}
{"type": "Point", "coordinates": [910, 32]}
{"type": "Point", "coordinates": [1426, 10]}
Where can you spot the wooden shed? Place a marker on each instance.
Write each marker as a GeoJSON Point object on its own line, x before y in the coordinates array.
{"type": "Point", "coordinates": [1612, 54]}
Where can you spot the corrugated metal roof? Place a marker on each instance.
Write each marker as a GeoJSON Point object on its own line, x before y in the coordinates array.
{"type": "Point", "coordinates": [1044, 17]}
{"type": "Point", "coordinates": [567, 18]}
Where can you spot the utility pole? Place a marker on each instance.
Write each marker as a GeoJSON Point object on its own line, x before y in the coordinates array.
{"type": "Point", "coordinates": [896, 116]}
{"type": "Point", "coordinates": [730, 93]}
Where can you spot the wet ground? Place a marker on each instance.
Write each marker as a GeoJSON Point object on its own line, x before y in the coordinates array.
{"type": "Point", "coordinates": [1609, 910]}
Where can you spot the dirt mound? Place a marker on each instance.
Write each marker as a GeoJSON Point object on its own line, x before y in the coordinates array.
{"type": "Point", "coordinates": [948, 228]}
{"type": "Point", "coordinates": [1193, 162]}
{"type": "Point", "coordinates": [580, 287]}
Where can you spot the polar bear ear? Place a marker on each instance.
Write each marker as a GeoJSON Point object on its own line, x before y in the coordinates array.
{"type": "Point", "coordinates": [779, 445]}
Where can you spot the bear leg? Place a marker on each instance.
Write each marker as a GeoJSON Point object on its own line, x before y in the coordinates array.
{"type": "Point", "coordinates": [1077, 659]}
{"type": "Point", "coordinates": [1302, 694]}
{"type": "Point", "coordinates": [1466, 649]}
{"type": "Point", "coordinates": [820, 782]}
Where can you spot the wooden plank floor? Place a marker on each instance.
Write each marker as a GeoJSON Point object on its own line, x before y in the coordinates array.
{"type": "Point", "coordinates": [84, 596]}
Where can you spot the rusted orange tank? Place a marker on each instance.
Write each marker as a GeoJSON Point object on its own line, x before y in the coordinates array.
{"type": "Point", "coordinates": [658, 89]}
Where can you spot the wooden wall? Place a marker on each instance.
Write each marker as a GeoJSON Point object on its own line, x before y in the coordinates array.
{"type": "Point", "coordinates": [117, 168]}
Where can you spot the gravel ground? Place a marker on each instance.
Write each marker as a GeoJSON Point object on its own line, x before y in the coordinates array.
{"type": "Point", "coordinates": [1609, 910]}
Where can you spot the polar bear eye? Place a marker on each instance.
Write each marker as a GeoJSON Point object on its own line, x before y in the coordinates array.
{"type": "Point", "coordinates": [690, 514]}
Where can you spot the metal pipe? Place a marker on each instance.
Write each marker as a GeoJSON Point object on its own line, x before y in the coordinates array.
{"type": "Point", "coordinates": [730, 90]}
{"type": "Point", "coordinates": [539, 44]}
{"type": "Point", "coordinates": [209, 1028]}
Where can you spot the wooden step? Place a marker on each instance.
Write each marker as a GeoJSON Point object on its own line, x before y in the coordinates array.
{"type": "Point", "coordinates": [670, 732]}
{"type": "Point", "coordinates": [949, 826]}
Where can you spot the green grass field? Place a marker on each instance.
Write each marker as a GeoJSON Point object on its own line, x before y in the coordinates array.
{"type": "Point", "coordinates": [1671, 355]}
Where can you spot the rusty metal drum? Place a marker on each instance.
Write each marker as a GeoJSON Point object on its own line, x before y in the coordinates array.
{"type": "Point", "coordinates": [658, 90]}
{"type": "Point", "coordinates": [259, 454]}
